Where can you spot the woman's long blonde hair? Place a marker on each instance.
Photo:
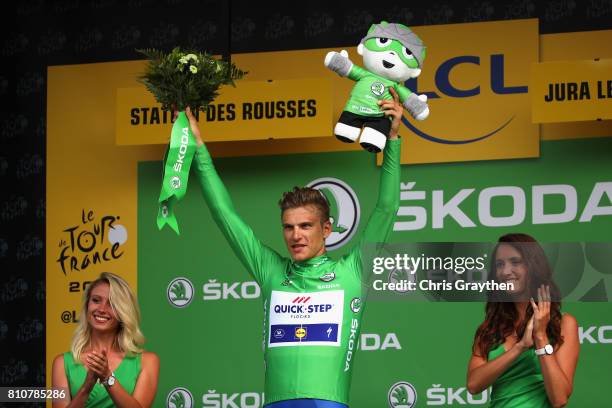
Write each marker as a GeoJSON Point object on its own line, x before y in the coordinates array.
{"type": "Point", "coordinates": [129, 338]}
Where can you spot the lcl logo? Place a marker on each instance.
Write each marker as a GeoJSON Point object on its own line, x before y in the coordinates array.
{"type": "Point", "coordinates": [445, 87]}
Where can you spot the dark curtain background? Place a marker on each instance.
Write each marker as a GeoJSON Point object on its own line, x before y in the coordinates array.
{"type": "Point", "coordinates": [35, 34]}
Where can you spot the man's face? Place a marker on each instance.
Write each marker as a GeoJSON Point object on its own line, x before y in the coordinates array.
{"type": "Point", "coordinates": [304, 233]}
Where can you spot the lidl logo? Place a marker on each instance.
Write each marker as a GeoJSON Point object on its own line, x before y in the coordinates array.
{"type": "Point", "coordinates": [300, 333]}
{"type": "Point", "coordinates": [344, 210]}
{"type": "Point", "coordinates": [180, 292]}
{"type": "Point", "coordinates": [179, 398]}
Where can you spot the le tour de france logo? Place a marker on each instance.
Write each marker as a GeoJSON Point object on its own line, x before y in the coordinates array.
{"type": "Point", "coordinates": [344, 210]}
{"type": "Point", "coordinates": [180, 292]}
{"type": "Point", "coordinates": [179, 398]}
{"type": "Point", "coordinates": [94, 239]}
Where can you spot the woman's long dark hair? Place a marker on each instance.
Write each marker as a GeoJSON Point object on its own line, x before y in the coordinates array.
{"type": "Point", "coordinates": [501, 317]}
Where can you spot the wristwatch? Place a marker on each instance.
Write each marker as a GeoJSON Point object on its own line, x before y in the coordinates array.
{"type": "Point", "coordinates": [110, 381]}
{"type": "Point", "coordinates": [547, 349]}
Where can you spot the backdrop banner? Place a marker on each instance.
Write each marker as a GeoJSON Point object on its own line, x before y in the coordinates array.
{"type": "Point", "coordinates": [203, 312]}
{"type": "Point", "coordinates": [565, 91]}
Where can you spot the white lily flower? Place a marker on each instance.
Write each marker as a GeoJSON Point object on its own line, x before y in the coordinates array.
{"type": "Point", "coordinates": [193, 69]}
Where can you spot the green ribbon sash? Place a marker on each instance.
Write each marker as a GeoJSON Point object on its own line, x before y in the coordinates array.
{"type": "Point", "coordinates": [177, 162]}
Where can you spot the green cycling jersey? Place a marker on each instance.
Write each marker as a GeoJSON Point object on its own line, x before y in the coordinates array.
{"type": "Point", "coordinates": [313, 308]}
{"type": "Point", "coordinates": [369, 89]}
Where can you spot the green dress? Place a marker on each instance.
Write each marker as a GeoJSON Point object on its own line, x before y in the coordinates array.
{"type": "Point", "coordinates": [521, 385]}
{"type": "Point", "coordinates": [126, 374]}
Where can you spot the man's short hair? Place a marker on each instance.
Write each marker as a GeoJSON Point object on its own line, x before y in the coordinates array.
{"type": "Point", "coordinates": [303, 196]}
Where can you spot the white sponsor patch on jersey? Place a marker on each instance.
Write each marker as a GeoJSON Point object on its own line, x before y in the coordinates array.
{"type": "Point", "coordinates": [305, 318]}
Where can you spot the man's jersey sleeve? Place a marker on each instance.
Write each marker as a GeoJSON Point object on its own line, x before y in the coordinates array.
{"type": "Point", "coordinates": [380, 224]}
{"type": "Point", "coordinates": [256, 257]}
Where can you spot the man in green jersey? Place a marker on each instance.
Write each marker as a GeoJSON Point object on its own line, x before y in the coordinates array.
{"type": "Point", "coordinates": [312, 304]}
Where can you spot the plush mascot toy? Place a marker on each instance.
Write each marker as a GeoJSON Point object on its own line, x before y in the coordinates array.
{"type": "Point", "coordinates": [392, 54]}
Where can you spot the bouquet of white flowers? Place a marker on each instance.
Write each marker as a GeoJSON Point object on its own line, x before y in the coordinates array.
{"type": "Point", "coordinates": [178, 80]}
{"type": "Point", "coordinates": [186, 78]}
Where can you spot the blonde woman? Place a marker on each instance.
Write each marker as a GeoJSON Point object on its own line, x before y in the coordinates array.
{"type": "Point", "coordinates": [107, 366]}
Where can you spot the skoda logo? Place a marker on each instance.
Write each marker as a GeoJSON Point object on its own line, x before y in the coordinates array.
{"type": "Point", "coordinates": [378, 88]}
{"type": "Point", "coordinates": [399, 275]}
{"type": "Point", "coordinates": [180, 292]}
{"type": "Point", "coordinates": [175, 182]}
{"type": "Point", "coordinates": [402, 395]}
{"type": "Point", "coordinates": [164, 211]}
{"type": "Point", "coordinates": [179, 398]}
{"type": "Point", "coordinates": [344, 210]}
{"type": "Point", "coordinates": [356, 305]}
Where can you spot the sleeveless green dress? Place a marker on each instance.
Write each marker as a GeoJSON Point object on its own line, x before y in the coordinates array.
{"type": "Point", "coordinates": [126, 373]}
{"type": "Point", "coordinates": [521, 385]}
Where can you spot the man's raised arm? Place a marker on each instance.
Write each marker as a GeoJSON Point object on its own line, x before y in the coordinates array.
{"type": "Point", "coordinates": [251, 252]}
{"type": "Point", "coordinates": [380, 223]}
